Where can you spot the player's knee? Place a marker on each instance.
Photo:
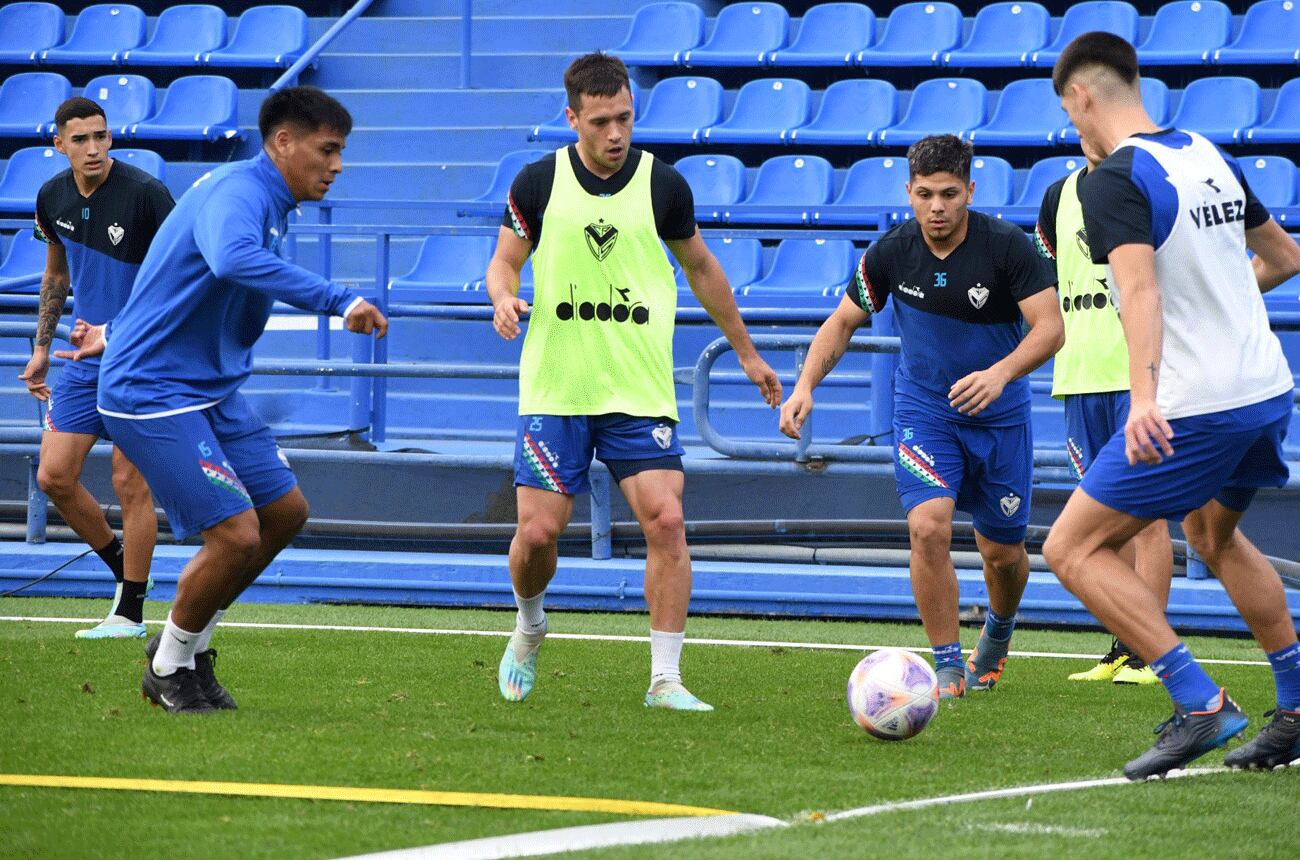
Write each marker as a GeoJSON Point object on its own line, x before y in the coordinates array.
{"type": "Point", "coordinates": [238, 537]}
{"type": "Point", "coordinates": [538, 533]}
{"type": "Point", "coordinates": [1056, 553]}
{"type": "Point", "coordinates": [130, 488]}
{"type": "Point", "coordinates": [1207, 542]}
{"type": "Point", "coordinates": [295, 514]}
{"type": "Point", "coordinates": [930, 532]}
{"type": "Point", "coordinates": [666, 529]}
{"type": "Point", "coordinates": [54, 482]}
{"type": "Point", "coordinates": [1006, 559]}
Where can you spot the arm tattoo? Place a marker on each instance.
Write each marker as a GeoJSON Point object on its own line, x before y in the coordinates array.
{"type": "Point", "coordinates": [1155, 371]}
{"type": "Point", "coordinates": [828, 363]}
{"type": "Point", "coordinates": [54, 294]}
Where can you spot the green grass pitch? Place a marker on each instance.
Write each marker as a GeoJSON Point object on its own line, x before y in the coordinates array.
{"type": "Point", "coordinates": [412, 711]}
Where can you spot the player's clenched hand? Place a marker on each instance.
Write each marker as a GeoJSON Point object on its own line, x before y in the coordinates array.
{"type": "Point", "coordinates": [88, 340]}
{"type": "Point", "coordinates": [972, 394]}
{"type": "Point", "coordinates": [795, 412]}
{"type": "Point", "coordinates": [34, 375]}
{"type": "Point", "coordinates": [765, 378]}
{"type": "Point", "coordinates": [506, 314]}
{"type": "Point", "coordinates": [366, 318]}
{"type": "Point", "coordinates": [1147, 434]}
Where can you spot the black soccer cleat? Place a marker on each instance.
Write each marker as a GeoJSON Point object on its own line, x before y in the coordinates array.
{"type": "Point", "coordinates": [1276, 745]}
{"type": "Point", "coordinates": [205, 663]}
{"type": "Point", "coordinates": [1186, 736]}
{"type": "Point", "coordinates": [179, 692]}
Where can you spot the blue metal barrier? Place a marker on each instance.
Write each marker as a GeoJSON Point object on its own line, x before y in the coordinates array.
{"type": "Point", "coordinates": [290, 76]}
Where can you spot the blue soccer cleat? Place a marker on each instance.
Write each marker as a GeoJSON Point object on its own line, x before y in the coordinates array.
{"type": "Point", "coordinates": [984, 668]}
{"type": "Point", "coordinates": [114, 627]}
{"type": "Point", "coordinates": [1188, 735]}
{"type": "Point", "coordinates": [672, 696]}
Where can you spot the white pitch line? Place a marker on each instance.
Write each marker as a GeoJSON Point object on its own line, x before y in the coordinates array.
{"type": "Point", "coordinates": [598, 637]}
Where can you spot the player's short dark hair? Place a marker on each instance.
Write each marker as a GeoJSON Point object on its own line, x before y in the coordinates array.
{"type": "Point", "coordinates": [940, 153]}
{"type": "Point", "coordinates": [77, 107]}
{"type": "Point", "coordinates": [597, 74]}
{"type": "Point", "coordinates": [1097, 48]}
{"type": "Point", "coordinates": [307, 108]}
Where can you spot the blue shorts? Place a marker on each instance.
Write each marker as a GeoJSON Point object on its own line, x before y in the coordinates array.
{"type": "Point", "coordinates": [71, 408]}
{"type": "Point", "coordinates": [208, 465]}
{"type": "Point", "coordinates": [1223, 455]}
{"type": "Point", "coordinates": [1090, 421]}
{"type": "Point", "coordinates": [988, 470]}
{"type": "Point", "coordinates": [553, 452]}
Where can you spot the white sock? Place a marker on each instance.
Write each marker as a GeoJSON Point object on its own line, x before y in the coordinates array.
{"type": "Point", "coordinates": [205, 638]}
{"type": "Point", "coordinates": [665, 657]}
{"type": "Point", "coordinates": [531, 618]}
{"type": "Point", "coordinates": [175, 649]}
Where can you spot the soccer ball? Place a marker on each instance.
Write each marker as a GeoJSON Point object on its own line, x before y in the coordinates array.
{"type": "Point", "coordinates": [893, 694]}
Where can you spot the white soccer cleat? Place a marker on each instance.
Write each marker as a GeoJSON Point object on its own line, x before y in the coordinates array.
{"type": "Point", "coordinates": [114, 627]}
{"type": "Point", "coordinates": [672, 696]}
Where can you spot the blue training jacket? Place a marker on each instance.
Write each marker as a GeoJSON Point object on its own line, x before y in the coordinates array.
{"type": "Point", "coordinates": [184, 340]}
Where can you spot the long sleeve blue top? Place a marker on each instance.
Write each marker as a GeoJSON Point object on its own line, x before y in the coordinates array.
{"type": "Point", "coordinates": [184, 340]}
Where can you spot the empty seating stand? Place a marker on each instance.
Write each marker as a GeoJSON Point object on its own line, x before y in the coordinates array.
{"type": "Point", "coordinates": [1029, 113]}
{"type": "Point", "coordinates": [1186, 33]}
{"type": "Point", "coordinates": [198, 107]}
{"type": "Point", "coordinates": [804, 271]}
{"type": "Point", "coordinates": [1283, 124]}
{"type": "Point", "coordinates": [872, 186]}
{"type": "Point", "coordinates": [661, 33]}
{"type": "Point", "coordinates": [939, 106]}
{"type": "Point", "coordinates": [23, 264]}
{"type": "Point", "coordinates": [1108, 15]}
{"type": "Point", "coordinates": [126, 99]}
{"type": "Point", "coordinates": [830, 34]}
{"type": "Point", "coordinates": [146, 160]}
{"type": "Point", "coordinates": [1222, 109]}
{"type": "Point", "coordinates": [265, 37]}
{"type": "Point", "coordinates": [743, 34]}
{"type": "Point", "coordinates": [26, 172]}
{"type": "Point", "coordinates": [717, 182]}
{"type": "Point", "coordinates": [785, 189]}
{"type": "Point", "coordinates": [27, 30]}
{"type": "Point", "coordinates": [741, 260]}
{"type": "Point", "coordinates": [100, 33]}
{"type": "Point", "coordinates": [28, 102]}
{"type": "Point", "coordinates": [181, 37]}
{"type": "Point", "coordinates": [916, 34]}
{"type": "Point", "coordinates": [678, 109]}
{"type": "Point", "coordinates": [1001, 36]}
{"type": "Point", "coordinates": [449, 269]}
{"type": "Point", "coordinates": [1270, 33]}
{"type": "Point", "coordinates": [1271, 177]}
{"type": "Point", "coordinates": [765, 109]}
{"type": "Point", "coordinates": [851, 112]}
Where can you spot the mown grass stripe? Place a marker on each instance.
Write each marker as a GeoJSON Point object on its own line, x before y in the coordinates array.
{"type": "Point", "coordinates": [364, 795]}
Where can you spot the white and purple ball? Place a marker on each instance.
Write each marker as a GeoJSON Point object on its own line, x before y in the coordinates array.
{"type": "Point", "coordinates": [893, 694]}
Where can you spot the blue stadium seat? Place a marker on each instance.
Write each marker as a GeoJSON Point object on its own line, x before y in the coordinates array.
{"type": "Point", "coordinates": [1003, 35]}
{"type": "Point", "coordinates": [24, 260]}
{"type": "Point", "coordinates": [1271, 177]}
{"type": "Point", "coordinates": [1219, 108]}
{"type": "Point", "coordinates": [764, 111]}
{"type": "Point", "coordinates": [1155, 98]}
{"type": "Point", "coordinates": [27, 29]}
{"type": "Point", "coordinates": [994, 180]}
{"type": "Point", "coordinates": [26, 172]}
{"type": "Point", "coordinates": [28, 102]}
{"type": "Point", "coordinates": [939, 106]}
{"type": "Point", "coordinates": [783, 185]}
{"type": "Point", "coordinates": [1186, 33]}
{"type": "Point", "coordinates": [804, 270]}
{"type": "Point", "coordinates": [661, 33]}
{"type": "Point", "coordinates": [743, 34]}
{"type": "Point", "coordinates": [265, 37]}
{"type": "Point", "coordinates": [1029, 113]}
{"type": "Point", "coordinates": [879, 182]}
{"type": "Point", "coordinates": [851, 112]}
{"type": "Point", "coordinates": [741, 260]}
{"type": "Point", "coordinates": [126, 99]}
{"type": "Point", "coordinates": [101, 32]}
{"type": "Point", "coordinates": [831, 35]}
{"type": "Point", "coordinates": [498, 190]}
{"type": "Point", "coordinates": [1042, 174]}
{"type": "Point", "coordinates": [557, 128]}
{"type": "Point", "coordinates": [1283, 125]}
{"type": "Point", "coordinates": [1108, 15]}
{"type": "Point", "coordinates": [148, 161]}
{"type": "Point", "coordinates": [198, 107]}
{"type": "Point", "coordinates": [449, 269]}
{"type": "Point", "coordinates": [916, 34]}
{"type": "Point", "coordinates": [715, 180]}
{"type": "Point", "coordinates": [1270, 33]}
{"type": "Point", "coordinates": [678, 109]}
{"type": "Point", "coordinates": [181, 37]}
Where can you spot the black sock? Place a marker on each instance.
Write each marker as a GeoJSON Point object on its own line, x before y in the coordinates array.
{"type": "Point", "coordinates": [112, 556]}
{"type": "Point", "coordinates": [131, 604]}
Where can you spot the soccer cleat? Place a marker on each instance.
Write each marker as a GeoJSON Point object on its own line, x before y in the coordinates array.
{"type": "Point", "coordinates": [1188, 735]}
{"type": "Point", "coordinates": [952, 682]}
{"type": "Point", "coordinates": [516, 675]}
{"type": "Point", "coordinates": [205, 663]}
{"type": "Point", "coordinates": [672, 696]}
{"type": "Point", "coordinates": [179, 693]}
{"type": "Point", "coordinates": [1277, 745]}
{"type": "Point", "coordinates": [114, 627]}
{"type": "Point", "coordinates": [984, 668]}
{"type": "Point", "coordinates": [1139, 674]}
{"type": "Point", "coordinates": [1107, 666]}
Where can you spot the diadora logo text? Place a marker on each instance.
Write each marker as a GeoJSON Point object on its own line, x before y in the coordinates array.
{"type": "Point", "coordinates": [66, 225]}
{"type": "Point", "coordinates": [618, 307]}
{"type": "Point", "coordinates": [1087, 301]}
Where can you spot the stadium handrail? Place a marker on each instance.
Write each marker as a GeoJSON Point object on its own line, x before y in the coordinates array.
{"type": "Point", "coordinates": [290, 76]}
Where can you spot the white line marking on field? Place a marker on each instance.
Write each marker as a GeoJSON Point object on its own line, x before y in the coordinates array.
{"type": "Point", "coordinates": [543, 842]}
{"type": "Point", "coordinates": [598, 637]}
{"type": "Point", "coordinates": [1025, 827]}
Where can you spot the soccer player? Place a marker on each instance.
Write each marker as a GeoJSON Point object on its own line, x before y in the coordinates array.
{"type": "Point", "coordinates": [97, 219]}
{"type": "Point", "coordinates": [596, 374]}
{"type": "Point", "coordinates": [177, 354]}
{"type": "Point", "coordinates": [1090, 373]}
{"type": "Point", "coordinates": [962, 284]}
{"type": "Point", "coordinates": [1210, 399]}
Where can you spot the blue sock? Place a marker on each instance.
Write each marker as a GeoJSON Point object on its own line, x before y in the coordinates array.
{"type": "Point", "coordinates": [998, 628]}
{"type": "Point", "coordinates": [1286, 672]}
{"type": "Point", "coordinates": [1185, 680]}
{"type": "Point", "coordinates": [947, 655]}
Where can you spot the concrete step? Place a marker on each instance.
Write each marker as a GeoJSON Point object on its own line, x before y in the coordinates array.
{"type": "Point", "coordinates": [449, 107]}
{"type": "Point", "coordinates": [419, 70]}
{"type": "Point", "coordinates": [440, 145]}
{"type": "Point", "coordinates": [581, 32]}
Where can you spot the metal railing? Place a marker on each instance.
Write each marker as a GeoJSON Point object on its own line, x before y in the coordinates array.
{"type": "Point", "coordinates": [290, 76]}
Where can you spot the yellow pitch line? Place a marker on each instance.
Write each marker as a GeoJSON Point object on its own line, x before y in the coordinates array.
{"type": "Point", "coordinates": [365, 795]}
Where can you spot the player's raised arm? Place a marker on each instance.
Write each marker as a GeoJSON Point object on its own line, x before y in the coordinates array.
{"type": "Point", "coordinates": [828, 347]}
{"type": "Point", "coordinates": [503, 282]}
